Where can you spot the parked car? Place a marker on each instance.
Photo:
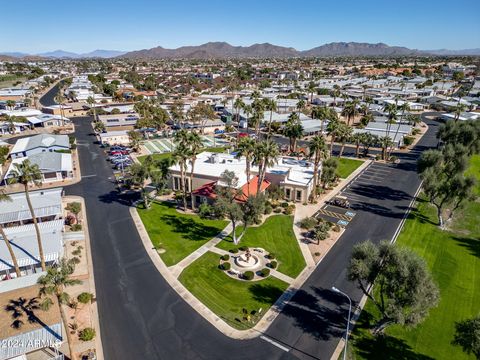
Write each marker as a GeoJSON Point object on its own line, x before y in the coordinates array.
{"type": "Point", "coordinates": [340, 201]}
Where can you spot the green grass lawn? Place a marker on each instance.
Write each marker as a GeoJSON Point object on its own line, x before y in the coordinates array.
{"type": "Point", "coordinates": [274, 235]}
{"type": "Point", "coordinates": [179, 234]}
{"type": "Point", "coordinates": [454, 259]}
{"type": "Point", "coordinates": [347, 166]}
{"type": "Point", "coordinates": [225, 296]}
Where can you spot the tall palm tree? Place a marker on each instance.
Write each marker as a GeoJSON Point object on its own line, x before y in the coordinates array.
{"type": "Point", "coordinates": [60, 99]}
{"type": "Point", "coordinates": [344, 134]}
{"type": "Point", "coordinates": [293, 130]}
{"type": "Point", "coordinates": [404, 108]}
{"type": "Point", "coordinates": [311, 87]}
{"type": "Point", "coordinates": [332, 130]}
{"type": "Point", "coordinates": [319, 150]}
{"type": "Point", "coordinates": [246, 147]}
{"type": "Point", "coordinates": [4, 197]}
{"type": "Point", "coordinates": [181, 156]}
{"type": "Point", "coordinates": [25, 173]}
{"type": "Point", "coordinates": [53, 283]}
{"type": "Point", "coordinates": [266, 153]}
{"type": "Point", "coordinates": [357, 139]}
{"type": "Point", "coordinates": [258, 106]}
{"type": "Point", "coordinates": [237, 106]}
{"type": "Point", "coordinates": [194, 143]}
{"type": "Point", "coordinates": [270, 105]}
{"type": "Point", "coordinates": [300, 106]}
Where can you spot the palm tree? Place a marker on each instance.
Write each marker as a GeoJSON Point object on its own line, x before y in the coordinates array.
{"type": "Point", "coordinates": [246, 147]}
{"type": "Point", "coordinates": [332, 130]}
{"type": "Point", "coordinates": [4, 197]}
{"type": "Point", "coordinates": [357, 139]}
{"type": "Point", "coordinates": [293, 130]}
{"type": "Point", "coordinates": [459, 109]}
{"type": "Point", "coordinates": [344, 134]}
{"type": "Point", "coordinates": [99, 126]}
{"type": "Point", "coordinates": [25, 173]}
{"type": "Point", "coordinates": [350, 110]}
{"type": "Point", "coordinates": [270, 105]}
{"type": "Point", "coordinates": [180, 156]}
{"type": "Point", "coordinates": [404, 108]}
{"type": "Point", "coordinates": [311, 89]}
{"type": "Point", "coordinates": [300, 106]}
{"type": "Point", "coordinates": [91, 102]}
{"type": "Point", "coordinates": [237, 106]}
{"type": "Point", "coordinates": [258, 106]}
{"type": "Point", "coordinates": [60, 99]}
{"type": "Point", "coordinates": [194, 142]}
{"type": "Point", "coordinates": [319, 150]}
{"type": "Point", "coordinates": [266, 153]}
{"type": "Point", "coordinates": [10, 104]}
{"type": "Point", "coordinates": [53, 283]}
{"type": "Point", "coordinates": [335, 94]}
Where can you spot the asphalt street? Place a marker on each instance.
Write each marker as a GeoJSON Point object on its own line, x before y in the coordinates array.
{"type": "Point", "coordinates": [143, 318]}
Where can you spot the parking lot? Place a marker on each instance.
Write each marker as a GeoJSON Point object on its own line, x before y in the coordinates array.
{"type": "Point", "coordinates": [358, 192]}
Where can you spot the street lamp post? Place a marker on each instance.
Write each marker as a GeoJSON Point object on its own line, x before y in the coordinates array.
{"type": "Point", "coordinates": [348, 321]}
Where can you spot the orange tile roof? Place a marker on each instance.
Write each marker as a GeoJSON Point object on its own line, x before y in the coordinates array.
{"type": "Point", "coordinates": [252, 186]}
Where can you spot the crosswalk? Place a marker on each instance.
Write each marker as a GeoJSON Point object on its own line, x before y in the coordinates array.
{"type": "Point", "coordinates": [335, 214]}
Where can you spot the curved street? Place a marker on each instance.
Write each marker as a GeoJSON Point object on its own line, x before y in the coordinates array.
{"type": "Point", "coordinates": [143, 318]}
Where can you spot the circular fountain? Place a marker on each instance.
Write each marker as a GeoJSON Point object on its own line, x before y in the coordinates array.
{"type": "Point", "coordinates": [246, 261]}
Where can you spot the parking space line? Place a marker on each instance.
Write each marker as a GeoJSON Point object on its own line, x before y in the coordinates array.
{"type": "Point", "coordinates": [280, 346]}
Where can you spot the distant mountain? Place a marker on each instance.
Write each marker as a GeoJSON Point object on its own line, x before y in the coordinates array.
{"type": "Point", "coordinates": [61, 54]}
{"type": "Point", "coordinates": [214, 50]}
{"type": "Point", "coordinates": [58, 54]}
{"type": "Point", "coordinates": [102, 54]}
{"type": "Point", "coordinates": [358, 49]}
{"type": "Point", "coordinates": [446, 52]}
{"type": "Point", "coordinates": [14, 54]}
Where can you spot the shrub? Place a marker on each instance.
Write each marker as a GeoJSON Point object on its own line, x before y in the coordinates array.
{"type": "Point", "coordinates": [264, 272]}
{"type": "Point", "coordinates": [336, 228]}
{"type": "Point", "coordinates": [284, 204]}
{"type": "Point", "coordinates": [277, 210]}
{"type": "Point", "coordinates": [75, 260]}
{"type": "Point", "coordinates": [234, 250]}
{"type": "Point", "coordinates": [243, 248]}
{"type": "Point", "coordinates": [248, 275]}
{"type": "Point", "coordinates": [408, 140]}
{"type": "Point", "coordinates": [273, 264]}
{"type": "Point", "coordinates": [76, 227]}
{"type": "Point", "coordinates": [268, 210]}
{"type": "Point", "coordinates": [317, 253]}
{"type": "Point", "coordinates": [307, 223]}
{"type": "Point", "coordinates": [87, 334]}
{"type": "Point", "coordinates": [289, 210]}
{"type": "Point", "coordinates": [205, 211]}
{"type": "Point", "coordinates": [85, 297]}
{"type": "Point", "coordinates": [271, 256]}
{"type": "Point", "coordinates": [77, 252]}
{"type": "Point", "coordinates": [226, 266]}
{"type": "Point", "coordinates": [393, 158]}
{"type": "Point", "coordinates": [416, 131]}
{"type": "Point", "coordinates": [225, 257]}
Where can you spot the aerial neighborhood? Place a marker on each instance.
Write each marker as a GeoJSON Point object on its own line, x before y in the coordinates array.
{"type": "Point", "coordinates": [270, 202]}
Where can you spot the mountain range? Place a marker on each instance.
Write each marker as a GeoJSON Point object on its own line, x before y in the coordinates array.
{"type": "Point", "coordinates": [222, 50]}
{"type": "Point", "coordinates": [61, 54]}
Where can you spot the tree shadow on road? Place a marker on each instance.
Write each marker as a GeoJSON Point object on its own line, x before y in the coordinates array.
{"type": "Point", "coordinates": [317, 313]}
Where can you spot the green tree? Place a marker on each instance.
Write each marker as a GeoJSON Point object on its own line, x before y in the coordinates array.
{"type": "Point", "coordinates": [246, 148]}
{"type": "Point", "coordinates": [181, 156]}
{"type": "Point", "coordinates": [266, 153]}
{"type": "Point", "coordinates": [53, 283]}
{"type": "Point", "coordinates": [26, 173]}
{"type": "Point", "coordinates": [467, 335]}
{"type": "Point", "coordinates": [194, 143]}
{"type": "Point", "coordinates": [403, 288]}
{"type": "Point", "coordinates": [134, 137]}
{"type": "Point", "coordinates": [293, 130]}
{"type": "Point", "coordinates": [319, 151]}
{"type": "Point", "coordinates": [225, 204]}
{"type": "Point", "coordinates": [344, 134]}
{"type": "Point", "coordinates": [329, 171]}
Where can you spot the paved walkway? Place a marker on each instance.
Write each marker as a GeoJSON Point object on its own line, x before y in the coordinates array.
{"type": "Point", "coordinates": [178, 268]}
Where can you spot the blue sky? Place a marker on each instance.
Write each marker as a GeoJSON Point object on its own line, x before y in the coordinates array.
{"type": "Point", "coordinates": [35, 26]}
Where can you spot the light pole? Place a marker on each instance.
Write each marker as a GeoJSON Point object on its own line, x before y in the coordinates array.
{"type": "Point", "coordinates": [348, 321]}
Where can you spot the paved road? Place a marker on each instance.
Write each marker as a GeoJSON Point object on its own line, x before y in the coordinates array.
{"type": "Point", "coordinates": [143, 318]}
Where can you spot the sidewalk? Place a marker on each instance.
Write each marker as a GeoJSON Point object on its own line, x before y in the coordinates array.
{"type": "Point", "coordinates": [170, 274]}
